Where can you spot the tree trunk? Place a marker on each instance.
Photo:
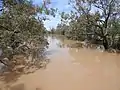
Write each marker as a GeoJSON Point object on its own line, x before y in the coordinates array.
{"type": "Point", "coordinates": [105, 43]}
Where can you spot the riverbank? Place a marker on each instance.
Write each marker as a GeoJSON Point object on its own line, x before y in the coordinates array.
{"type": "Point", "coordinates": [87, 44]}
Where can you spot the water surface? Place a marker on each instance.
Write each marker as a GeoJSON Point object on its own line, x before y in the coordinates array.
{"type": "Point", "coordinates": [73, 69]}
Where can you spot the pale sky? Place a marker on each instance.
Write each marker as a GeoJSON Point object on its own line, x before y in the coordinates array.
{"type": "Point", "coordinates": [62, 5]}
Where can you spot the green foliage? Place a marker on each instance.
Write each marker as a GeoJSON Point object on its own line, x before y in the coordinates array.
{"type": "Point", "coordinates": [101, 25]}
{"type": "Point", "coordinates": [21, 30]}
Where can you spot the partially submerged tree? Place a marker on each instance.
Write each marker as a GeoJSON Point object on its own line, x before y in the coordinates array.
{"type": "Point", "coordinates": [22, 32]}
{"type": "Point", "coordinates": [108, 9]}
{"type": "Point", "coordinates": [94, 19]}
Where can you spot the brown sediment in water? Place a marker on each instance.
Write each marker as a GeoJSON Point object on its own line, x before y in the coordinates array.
{"type": "Point", "coordinates": [72, 69]}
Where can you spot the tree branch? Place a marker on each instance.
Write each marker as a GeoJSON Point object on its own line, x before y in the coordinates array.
{"type": "Point", "coordinates": [1, 61]}
{"type": "Point", "coordinates": [1, 9]}
{"type": "Point", "coordinates": [4, 28]}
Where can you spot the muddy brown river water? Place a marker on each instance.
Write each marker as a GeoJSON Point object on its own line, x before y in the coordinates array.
{"type": "Point", "coordinates": [73, 69]}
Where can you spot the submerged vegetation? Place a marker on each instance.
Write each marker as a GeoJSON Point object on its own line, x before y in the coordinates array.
{"type": "Point", "coordinates": [93, 24]}
{"type": "Point", "coordinates": [22, 33]}
{"type": "Point", "coordinates": [97, 21]}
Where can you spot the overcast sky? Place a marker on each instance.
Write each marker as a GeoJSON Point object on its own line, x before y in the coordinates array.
{"type": "Point", "coordinates": [62, 5]}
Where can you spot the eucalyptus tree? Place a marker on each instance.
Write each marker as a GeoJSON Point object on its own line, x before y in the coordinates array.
{"type": "Point", "coordinates": [21, 29]}
{"type": "Point", "coordinates": [95, 18]}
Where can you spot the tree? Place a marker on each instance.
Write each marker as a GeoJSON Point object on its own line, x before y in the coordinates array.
{"type": "Point", "coordinates": [94, 24]}
{"type": "Point", "coordinates": [21, 30]}
{"type": "Point", "coordinates": [109, 8]}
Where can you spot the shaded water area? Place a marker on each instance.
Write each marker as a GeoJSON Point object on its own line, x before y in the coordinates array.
{"type": "Point", "coordinates": [72, 69]}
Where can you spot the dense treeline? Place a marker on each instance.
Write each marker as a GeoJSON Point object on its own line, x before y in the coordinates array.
{"type": "Point", "coordinates": [98, 21]}
{"type": "Point", "coordinates": [22, 31]}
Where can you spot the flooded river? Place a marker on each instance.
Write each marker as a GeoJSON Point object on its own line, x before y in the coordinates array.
{"type": "Point", "coordinates": [73, 69]}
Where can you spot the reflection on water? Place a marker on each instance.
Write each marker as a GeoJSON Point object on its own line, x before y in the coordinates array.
{"type": "Point", "coordinates": [54, 46]}
{"type": "Point", "coordinates": [87, 69]}
{"type": "Point", "coordinates": [75, 69]}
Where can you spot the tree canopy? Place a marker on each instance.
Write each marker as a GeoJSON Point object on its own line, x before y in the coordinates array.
{"type": "Point", "coordinates": [22, 31]}
{"type": "Point", "coordinates": [94, 20]}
